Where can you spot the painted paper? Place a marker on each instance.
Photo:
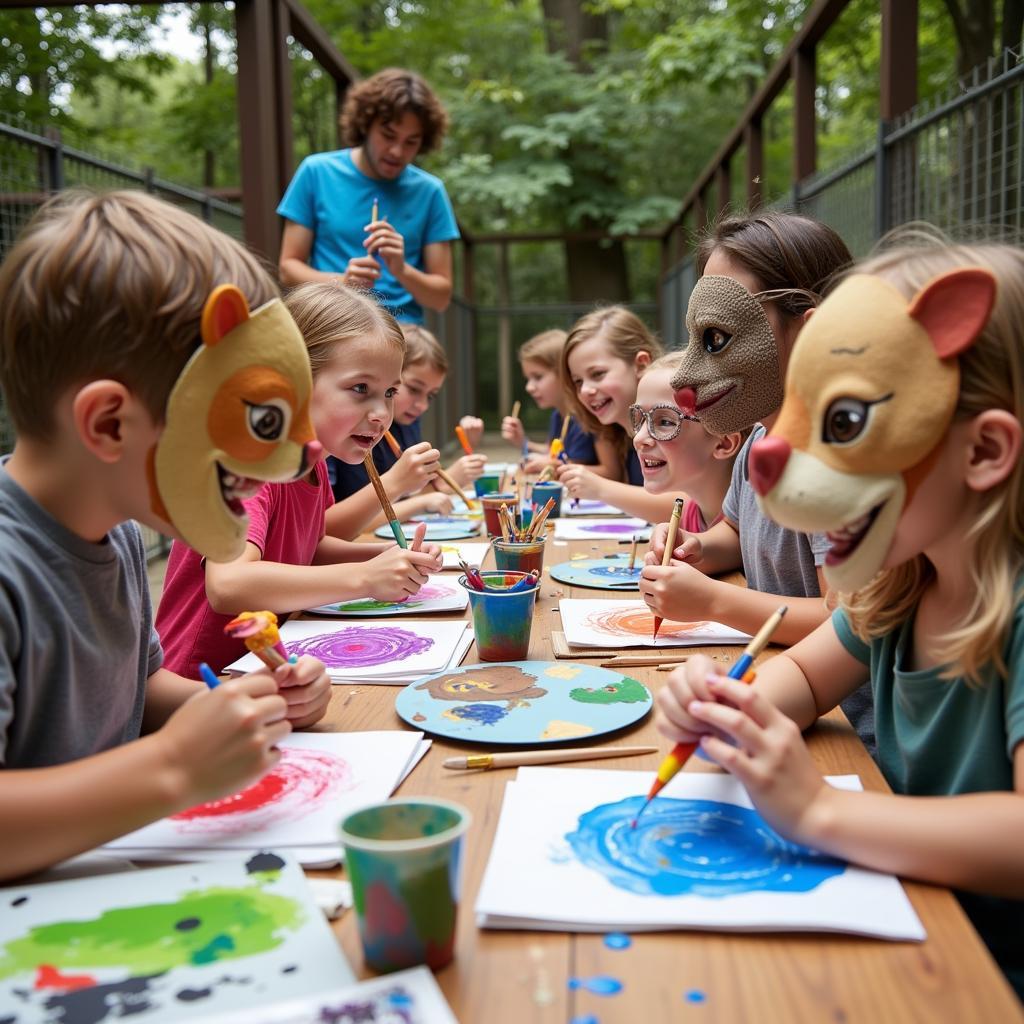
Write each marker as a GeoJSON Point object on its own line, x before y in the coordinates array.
{"type": "Point", "coordinates": [631, 624]}
{"type": "Point", "coordinates": [602, 529]}
{"type": "Point", "coordinates": [471, 554]}
{"type": "Point", "coordinates": [589, 507]}
{"type": "Point", "coordinates": [436, 595]}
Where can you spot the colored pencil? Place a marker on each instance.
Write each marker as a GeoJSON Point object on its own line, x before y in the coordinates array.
{"type": "Point", "coordinates": [641, 660]}
{"type": "Point", "coordinates": [385, 503]}
{"type": "Point", "coordinates": [374, 210]}
{"type": "Point", "coordinates": [680, 753]}
{"type": "Point", "coordinates": [463, 440]}
{"type": "Point", "coordinates": [396, 448]}
{"type": "Point", "coordinates": [516, 758]}
{"type": "Point", "coordinates": [670, 543]}
{"type": "Point", "coordinates": [208, 677]}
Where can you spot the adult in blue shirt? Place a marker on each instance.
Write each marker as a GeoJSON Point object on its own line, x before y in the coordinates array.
{"type": "Point", "coordinates": [403, 254]}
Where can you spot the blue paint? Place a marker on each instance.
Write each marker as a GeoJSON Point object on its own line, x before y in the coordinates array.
{"type": "Point", "coordinates": [695, 848]}
{"type": "Point", "coordinates": [587, 1018]}
{"type": "Point", "coordinates": [694, 996]}
{"type": "Point", "coordinates": [481, 714]}
{"type": "Point", "coordinates": [620, 572]}
{"type": "Point", "coordinates": [598, 985]}
{"type": "Point", "coordinates": [617, 940]}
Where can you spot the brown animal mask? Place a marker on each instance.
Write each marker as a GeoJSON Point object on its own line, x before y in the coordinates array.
{"type": "Point", "coordinates": [872, 387]}
{"type": "Point", "coordinates": [730, 376]}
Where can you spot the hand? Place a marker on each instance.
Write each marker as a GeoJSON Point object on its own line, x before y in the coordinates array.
{"type": "Point", "coordinates": [222, 740]}
{"type": "Point", "coordinates": [398, 573]}
{"type": "Point", "coordinates": [578, 481]}
{"type": "Point", "coordinates": [537, 463]}
{"type": "Point", "coordinates": [688, 546]}
{"type": "Point", "coordinates": [678, 591]}
{"type": "Point", "coordinates": [474, 428]}
{"type": "Point", "coordinates": [687, 683]}
{"type": "Point", "coordinates": [362, 272]}
{"type": "Point", "coordinates": [512, 431]}
{"type": "Point", "coordinates": [770, 757]}
{"type": "Point", "coordinates": [384, 241]}
{"type": "Point", "coordinates": [306, 689]}
{"type": "Point", "coordinates": [468, 469]}
{"type": "Point", "coordinates": [415, 468]}
{"type": "Point", "coordinates": [433, 501]}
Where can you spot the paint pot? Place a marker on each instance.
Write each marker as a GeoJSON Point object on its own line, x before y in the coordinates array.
{"type": "Point", "coordinates": [487, 484]}
{"type": "Point", "coordinates": [502, 621]}
{"type": "Point", "coordinates": [548, 489]}
{"type": "Point", "coordinates": [403, 859]}
{"type": "Point", "coordinates": [492, 504]}
{"type": "Point", "coordinates": [512, 557]}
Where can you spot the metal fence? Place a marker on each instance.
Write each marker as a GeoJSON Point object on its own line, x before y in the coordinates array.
{"type": "Point", "coordinates": [954, 161]}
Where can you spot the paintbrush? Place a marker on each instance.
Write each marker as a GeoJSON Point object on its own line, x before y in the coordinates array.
{"type": "Point", "coordinates": [516, 758]}
{"type": "Point", "coordinates": [385, 503]}
{"type": "Point", "coordinates": [456, 489]}
{"type": "Point", "coordinates": [642, 660]}
{"type": "Point", "coordinates": [632, 552]}
{"type": "Point", "coordinates": [515, 409]}
{"type": "Point", "coordinates": [565, 428]}
{"type": "Point", "coordinates": [396, 448]}
{"type": "Point", "coordinates": [670, 543]}
{"type": "Point", "coordinates": [373, 210]}
{"type": "Point", "coordinates": [463, 440]}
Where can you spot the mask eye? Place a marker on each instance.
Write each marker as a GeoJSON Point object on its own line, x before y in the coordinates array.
{"type": "Point", "coordinates": [715, 340]}
{"type": "Point", "coordinates": [845, 420]}
{"type": "Point", "coordinates": [268, 421]}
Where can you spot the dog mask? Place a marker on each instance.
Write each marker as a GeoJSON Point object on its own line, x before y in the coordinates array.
{"type": "Point", "coordinates": [872, 387]}
{"type": "Point", "coordinates": [238, 415]}
{"type": "Point", "coordinates": [730, 376]}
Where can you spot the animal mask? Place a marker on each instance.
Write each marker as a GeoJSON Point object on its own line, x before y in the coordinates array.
{"type": "Point", "coordinates": [730, 376]}
{"type": "Point", "coordinates": [238, 415]}
{"type": "Point", "coordinates": [872, 387]}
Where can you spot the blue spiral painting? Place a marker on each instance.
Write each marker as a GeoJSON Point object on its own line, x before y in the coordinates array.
{"type": "Point", "coordinates": [694, 848]}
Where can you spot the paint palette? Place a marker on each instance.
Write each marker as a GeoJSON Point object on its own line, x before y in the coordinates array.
{"type": "Point", "coordinates": [523, 702]}
{"type": "Point", "coordinates": [452, 529]}
{"type": "Point", "coordinates": [437, 595]}
{"type": "Point", "coordinates": [609, 573]}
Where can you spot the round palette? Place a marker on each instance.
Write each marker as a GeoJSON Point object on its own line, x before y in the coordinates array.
{"type": "Point", "coordinates": [449, 530]}
{"type": "Point", "coordinates": [609, 573]}
{"type": "Point", "coordinates": [523, 702]}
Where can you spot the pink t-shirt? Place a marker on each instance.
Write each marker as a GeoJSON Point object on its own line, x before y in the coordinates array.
{"type": "Point", "coordinates": [286, 522]}
{"type": "Point", "coordinates": [692, 521]}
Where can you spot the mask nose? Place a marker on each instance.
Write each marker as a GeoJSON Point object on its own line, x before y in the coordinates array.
{"type": "Point", "coordinates": [312, 453]}
{"type": "Point", "coordinates": [768, 458]}
{"type": "Point", "coordinates": [686, 399]}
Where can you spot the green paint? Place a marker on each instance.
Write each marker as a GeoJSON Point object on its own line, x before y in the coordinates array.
{"type": "Point", "coordinates": [223, 924]}
{"type": "Point", "coordinates": [625, 691]}
{"type": "Point", "coordinates": [371, 605]}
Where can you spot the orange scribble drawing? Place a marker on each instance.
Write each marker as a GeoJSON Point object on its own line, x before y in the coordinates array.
{"type": "Point", "coordinates": [626, 621]}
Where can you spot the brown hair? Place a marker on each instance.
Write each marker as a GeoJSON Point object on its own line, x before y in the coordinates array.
{"type": "Point", "coordinates": [544, 348]}
{"type": "Point", "coordinates": [793, 256]}
{"type": "Point", "coordinates": [327, 313]}
{"type": "Point", "coordinates": [991, 377]}
{"type": "Point", "coordinates": [388, 96]}
{"type": "Point", "coordinates": [422, 348]}
{"type": "Point", "coordinates": [627, 336]}
{"type": "Point", "coordinates": [109, 286]}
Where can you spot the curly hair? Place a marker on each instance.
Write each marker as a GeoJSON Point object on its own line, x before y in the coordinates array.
{"type": "Point", "coordinates": [388, 96]}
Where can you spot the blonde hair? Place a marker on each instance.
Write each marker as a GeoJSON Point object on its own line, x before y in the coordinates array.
{"type": "Point", "coordinates": [544, 348]}
{"type": "Point", "coordinates": [110, 286]}
{"type": "Point", "coordinates": [669, 361]}
{"type": "Point", "coordinates": [627, 336]}
{"type": "Point", "coordinates": [991, 377]}
{"type": "Point", "coordinates": [328, 314]}
{"type": "Point", "coordinates": [422, 348]}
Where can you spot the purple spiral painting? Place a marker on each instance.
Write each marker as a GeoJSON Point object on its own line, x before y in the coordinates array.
{"type": "Point", "coordinates": [610, 528]}
{"type": "Point", "coordinates": [361, 646]}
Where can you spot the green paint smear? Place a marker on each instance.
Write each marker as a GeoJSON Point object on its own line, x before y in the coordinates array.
{"type": "Point", "coordinates": [626, 691]}
{"type": "Point", "coordinates": [232, 923]}
{"type": "Point", "coordinates": [371, 605]}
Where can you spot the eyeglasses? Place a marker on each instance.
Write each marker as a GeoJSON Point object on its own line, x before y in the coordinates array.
{"type": "Point", "coordinates": [663, 421]}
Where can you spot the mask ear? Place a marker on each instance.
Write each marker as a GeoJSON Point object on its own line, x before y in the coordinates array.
{"type": "Point", "coordinates": [225, 309]}
{"type": "Point", "coordinates": [954, 307]}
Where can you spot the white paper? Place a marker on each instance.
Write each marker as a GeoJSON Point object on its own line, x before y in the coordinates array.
{"type": "Point", "coordinates": [699, 858]}
{"type": "Point", "coordinates": [470, 553]}
{"type": "Point", "coordinates": [589, 507]}
{"type": "Point", "coordinates": [602, 529]}
{"type": "Point", "coordinates": [591, 623]}
{"type": "Point", "coordinates": [438, 594]}
{"type": "Point", "coordinates": [191, 941]}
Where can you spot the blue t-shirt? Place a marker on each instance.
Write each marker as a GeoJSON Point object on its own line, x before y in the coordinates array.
{"type": "Point", "coordinates": [634, 474]}
{"type": "Point", "coordinates": [579, 445]}
{"type": "Point", "coordinates": [346, 480]}
{"type": "Point", "coordinates": [334, 199]}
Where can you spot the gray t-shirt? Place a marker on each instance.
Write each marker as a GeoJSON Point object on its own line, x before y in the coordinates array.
{"type": "Point", "coordinates": [76, 636]}
{"type": "Point", "coordinates": [784, 562]}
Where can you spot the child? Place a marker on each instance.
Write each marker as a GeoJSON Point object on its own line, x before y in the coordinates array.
{"type": "Point", "coordinates": [540, 358]}
{"type": "Point", "coordinates": [939, 630]}
{"type": "Point", "coordinates": [602, 360]}
{"type": "Point", "coordinates": [101, 302]}
{"type": "Point", "coordinates": [355, 351]}
{"type": "Point", "coordinates": [676, 452]}
{"type": "Point", "coordinates": [423, 371]}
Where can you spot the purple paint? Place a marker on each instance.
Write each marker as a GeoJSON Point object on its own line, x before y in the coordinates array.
{"type": "Point", "coordinates": [610, 528]}
{"type": "Point", "coordinates": [361, 646]}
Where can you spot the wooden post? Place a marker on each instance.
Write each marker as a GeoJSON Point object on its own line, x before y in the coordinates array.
{"type": "Point", "coordinates": [700, 213]}
{"type": "Point", "coordinates": [753, 143]}
{"type": "Point", "coordinates": [804, 74]}
{"type": "Point", "coordinates": [283, 91]}
{"type": "Point", "coordinates": [898, 70]}
{"type": "Point", "coordinates": [504, 331]}
{"type": "Point", "coordinates": [723, 186]}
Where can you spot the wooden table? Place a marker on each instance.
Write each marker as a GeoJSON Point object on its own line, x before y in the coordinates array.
{"type": "Point", "coordinates": [521, 977]}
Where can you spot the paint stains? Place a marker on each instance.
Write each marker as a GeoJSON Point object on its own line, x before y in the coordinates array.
{"type": "Point", "coordinates": [419, 718]}
{"type": "Point", "coordinates": [47, 976]}
{"type": "Point", "coordinates": [586, 1018]}
{"type": "Point", "coordinates": [563, 671]}
{"type": "Point", "coordinates": [361, 646]}
{"type": "Point", "coordinates": [559, 730]}
{"type": "Point", "coordinates": [694, 848]}
{"type": "Point", "coordinates": [610, 529]}
{"type": "Point", "coordinates": [618, 940]}
{"type": "Point", "coordinates": [625, 691]}
{"type": "Point", "coordinates": [262, 862]}
{"type": "Point", "coordinates": [478, 714]}
{"type": "Point", "coordinates": [695, 996]}
{"type": "Point", "coordinates": [543, 994]}
{"type": "Point", "coordinates": [193, 995]}
{"type": "Point", "coordinates": [598, 985]}
{"type": "Point", "coordinates": [492, 682]}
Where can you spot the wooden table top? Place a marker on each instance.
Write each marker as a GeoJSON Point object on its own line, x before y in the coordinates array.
{"type": "Point", "coordinates": [522, 976]}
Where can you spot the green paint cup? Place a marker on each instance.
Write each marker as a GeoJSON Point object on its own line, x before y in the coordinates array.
{"type": "Point", "coordinates": [487, 484]}
{"type": "Point", "coordinates": [403, 859]}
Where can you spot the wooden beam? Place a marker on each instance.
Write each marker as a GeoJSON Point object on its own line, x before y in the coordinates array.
{"type": "Point", "coordinates": [310, 33]}
{"type": "Point", "coordinates": [898, 66]}
{"type": "Point", "coordinates": [805, 143]}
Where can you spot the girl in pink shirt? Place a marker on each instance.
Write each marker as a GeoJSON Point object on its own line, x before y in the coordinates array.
{"type": "Point", "coordinates": [355, 352]}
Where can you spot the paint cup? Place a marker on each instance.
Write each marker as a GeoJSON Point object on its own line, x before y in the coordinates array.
{"type": "Point", "coordinates": [512, 557]}
{"type": "Point", "coordinates": [487, 484]}
{"type": "Point", "coordinates": [403, 859]}
{"type": "Point", "coordinates": [492, 504]}
{"type": "Point", "coordinates": [548, 489]}
{"type": "Point", "coordinates": [502, 620]}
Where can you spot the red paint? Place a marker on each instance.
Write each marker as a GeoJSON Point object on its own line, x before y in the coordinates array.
{"type": "Point", "coordinates": [48, 976]}
{"type": "Point", "coordinates": [385, 916]}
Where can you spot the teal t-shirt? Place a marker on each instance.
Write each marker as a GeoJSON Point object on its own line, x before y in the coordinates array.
{"type": "Point", "coordinates": [941, 737]}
